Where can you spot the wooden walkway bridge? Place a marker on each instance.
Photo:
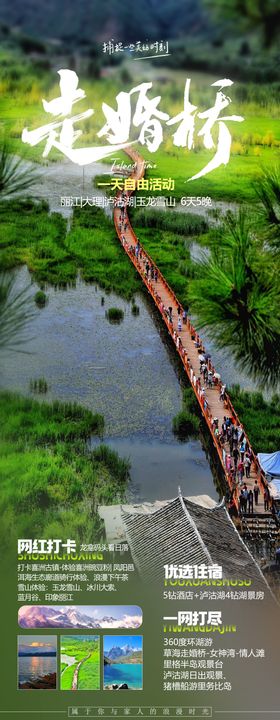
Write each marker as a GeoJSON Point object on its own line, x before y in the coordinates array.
{"type": "Point", "coordinates": [187, 342]}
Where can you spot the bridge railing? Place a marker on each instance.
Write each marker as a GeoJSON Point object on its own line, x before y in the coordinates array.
{"type": "Point", "coordinates": [205, 410]}
{"type": "Point", "coordinates": [139, 172]}
{"type": "Point", "coordinates": [260, 474]}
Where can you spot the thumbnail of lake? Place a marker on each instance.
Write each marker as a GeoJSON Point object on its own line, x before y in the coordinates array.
{"type": "Point", "coordinates": [31, 667]}
{"type": "Point", "coordinates": [129, 673]}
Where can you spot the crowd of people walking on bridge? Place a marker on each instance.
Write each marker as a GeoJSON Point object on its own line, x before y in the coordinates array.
{"type": "Point", "coordinates": [237, 455]}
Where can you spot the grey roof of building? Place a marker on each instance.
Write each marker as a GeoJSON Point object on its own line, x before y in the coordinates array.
{"type": "Point", "coordinates": [183, 532]}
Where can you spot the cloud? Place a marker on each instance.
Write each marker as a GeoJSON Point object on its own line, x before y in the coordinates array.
{"type": "Point", "coordinates": [40, 644]}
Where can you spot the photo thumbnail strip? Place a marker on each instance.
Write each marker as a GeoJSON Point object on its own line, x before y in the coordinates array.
{"type": "Point", "coordinates": [70, 617]}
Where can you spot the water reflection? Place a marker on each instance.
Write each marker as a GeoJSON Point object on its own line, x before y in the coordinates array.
{"type": "Point", "coordinates": [33, 667]}
{"type": "Point", "coordinates": [124, 372]}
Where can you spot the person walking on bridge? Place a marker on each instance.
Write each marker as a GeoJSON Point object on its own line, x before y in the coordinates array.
{"type": "Point", "coordinates": [247, 464]}
{"type": "Point", "coordinates": [245, 494]}
{"type": "Point", "coordinates": [235, 435]}
{"type": "Point", "coordinates": [256, 492]}
{"type": "Point", "coordinates": [240, 471]}
{"type": "Point", "coordinates": [266, 499]}
{"type": "Point", "coordinates": [235, 455]}
{"type": "Point", "coordinates": [250, 501]}
{"type": "Point", "coordinates": [228, 462]}
{"type": "Point", "coordinates": [242, 450]}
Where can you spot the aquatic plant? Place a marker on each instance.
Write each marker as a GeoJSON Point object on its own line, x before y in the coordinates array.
{"type": "Point", "coordinates": [52, 482]}
{"type": "Point", "coordinates": [186, 223]}
{"type": "Point", "coordinates": [135, 309]}
{"type": "Point", "coordinates": [115, 315]}
{"type": "Point", "coordinates": [39, 385]}
{"type": "Point", "coordinates": [119, 467]}
{"type": "Point", "coordinates": [185, 424]}
{"type": "Point", "coordinates": [260, 417]}
{"type": "Point", "coordinates": [40, 298]}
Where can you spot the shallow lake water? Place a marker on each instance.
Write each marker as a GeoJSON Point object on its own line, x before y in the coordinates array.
{"type": "Point", "coordinates": [129, 673]}
{"type": "Point", "coordinates": [33, 667]}
{"type": "Point", "coordinates": [127, 372]}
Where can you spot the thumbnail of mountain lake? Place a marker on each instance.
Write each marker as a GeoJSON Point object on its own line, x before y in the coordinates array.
{"type": "Point", "coordinates": [129, 673]}
{"type": "Point", "coordinates": [32, 667]}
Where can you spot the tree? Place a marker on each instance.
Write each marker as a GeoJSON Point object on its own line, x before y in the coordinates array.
{"type": "Point", "coordinates": [14, 175]}
{"type": "Point", "coordinates": [235, 296]}
{"type": "Point", "coordinates": [250, 14]}
{"type": "Point", "coordinates": [267, 189]}
{"type": "Point", "coordinates": [16, 309]}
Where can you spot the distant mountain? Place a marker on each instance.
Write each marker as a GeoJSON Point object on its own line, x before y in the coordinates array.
{"type": "Point", "coordinates": [37, 653]}
{"type": "Point", "coordinates": [117, 651]}
{"type": "Point", "coordinates": [40, 616]}
{"type": "Point", "coordinates": [124, 654]}
{"type": "Point", "coordinates": [92, 20]}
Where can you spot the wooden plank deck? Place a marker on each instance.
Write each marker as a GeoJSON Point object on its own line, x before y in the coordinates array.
{"type": "Point", "coordinates": [164, 297]}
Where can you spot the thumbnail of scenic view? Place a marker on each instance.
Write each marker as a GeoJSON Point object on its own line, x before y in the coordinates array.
{"type": "Point", "coordinates": [37, 662]}
{"type": "Point", "coordinates": [123, 662]}
{"type": "Point", "coordinates": [79, 662]}
{"type": "Point", "coordinates": [80, 616]}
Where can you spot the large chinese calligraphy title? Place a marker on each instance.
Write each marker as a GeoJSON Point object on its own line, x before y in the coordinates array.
{"type": "Point", "coordinates": [144, 115]}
